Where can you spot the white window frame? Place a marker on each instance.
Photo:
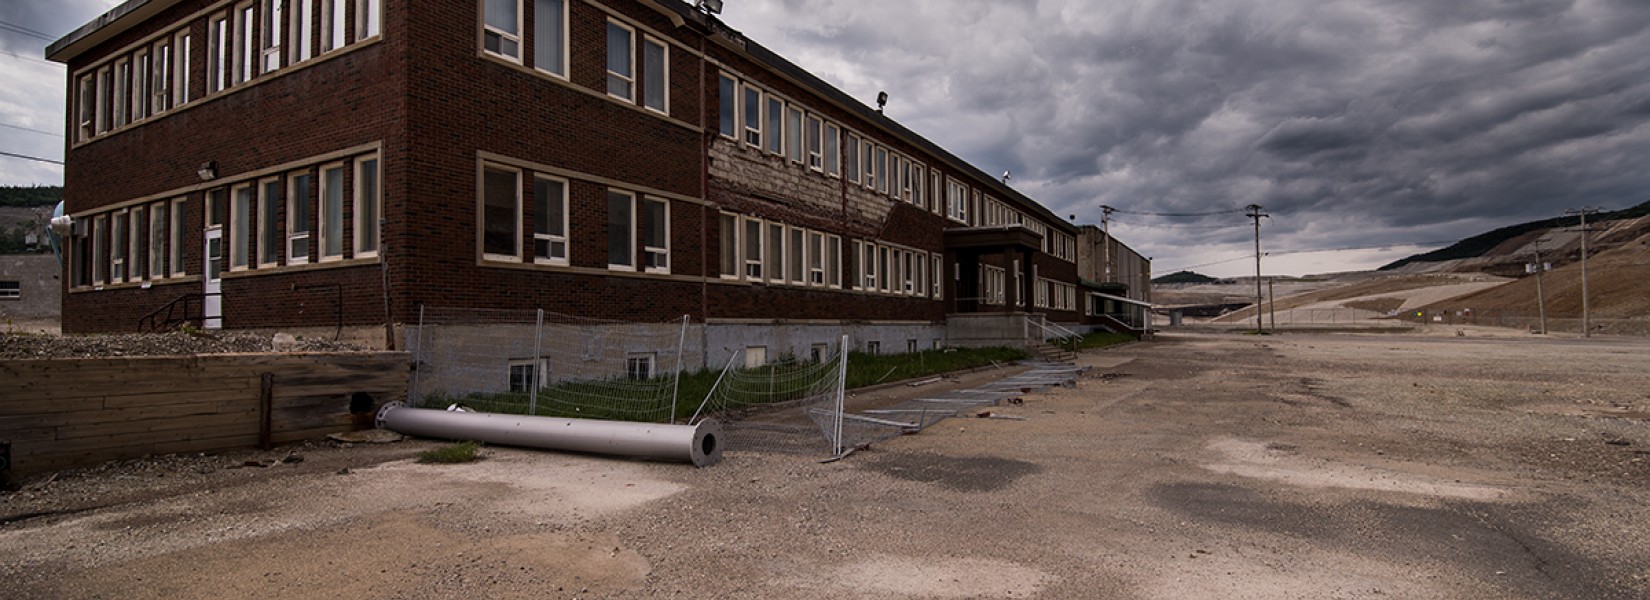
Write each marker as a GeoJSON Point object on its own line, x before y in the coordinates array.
{"type": "Point", "coordinates": [142, 76]}
{"type": "Point", "coordinates": [376, 202]}
{"type": "Point", "coordinates": [220, 45]}
{"type": "Point", "coordinates": [796, 259]}
{"type": "Point", "coordinates": [833, 261]}
{"type": "Point", "coordinates": [271, 33]}
{"type": "Point", "coordinates": [179, 217]}
{"type": "Point", "coordinates": [754, 265]}
{"type": "Point", "coordinates": [633, 359]}
{"type": "Point", "coordinates": [513, 37]}
{"type": "Point", "coordinates": [813, 134]}
{"type": "Point", "coordinates": [833, 149]}
{"type": "Point", "coordinates": [956, 200]}
{"type": "Point", "coordinates": [246, 63]}
{"type": "Point", "coordinates": [118, 101]}
{"type": "Point", "coordinates": [240, 225]}
{"type": "Point", "coordinates": [773, 114]}
{"type": "Point", "coordinates": [775, 252]}
{"type": "Point", "coordinates": [560, 68]}
{"type": "Point", "coordinates": [181, 49]}
{"type": "Point", "coordinates": [369, 19]}
{"type": "Point", "coordinates": [105, 95]}
{"type": "Point", "coordinates": [851, 157]}
{"type": "Point", "coordinates": [794, 118]}
{"type": "Point", "coordinates": [332, 25]}
{"type": "Point", "coordinates": [655, 259]}
{"type": "Point", "coordinates": [648, 79]}
{"type": "Point", "coordinates": [540, 368]}
{"type": "Point", "coordinates": [268, 229]}
{"type": "Point", "coordinates": [323, 223]}
{"type": "Point", "coordinates": [630, 243]}
{"type": "Point", "coordinates": [727, 107]}
{"type": "Point", "coordinates": [160, 75]}
{"type": "Point", "coordinates": [752, 136]}
{"type": "Point", "coordinates": [302, 29]}
{"type": "Point", "coordinates": [815, 260]}
{"type": "Point", "coordinates": [293, 233]}
{"type": "Point", "coordinates": [515, 212]}
{"type": "Point", "coordinates": [88, 106]}
{"type": "Point", "coordinates": [552, 238]}
{"type": "Point", "coordinates": [137, 222]}
{"type": "Point", "coordinates": [939, 277]}
{"type": "Point", "coordinates": [629, 80]}
{"type": "Point", "coordinates": [100, 255]}
{"type": "Point", "coordinates": [731, 253]}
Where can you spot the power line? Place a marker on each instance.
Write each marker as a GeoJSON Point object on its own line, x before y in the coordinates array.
{"type": "Point", "coordinates": [26, 157]}
{"type": "Point", "coordinates": [26, 31]}
{"type": "Point", "coordinates": [1169, 214]}
{"type": "Point", "coordinates": [30, 58]}
{"type": "Point", "coordinates": [1144, 226]}
{"type": "Point", "coordinates": [40, 131]}
{"type": "Point", "coordinates": [1286, 252]}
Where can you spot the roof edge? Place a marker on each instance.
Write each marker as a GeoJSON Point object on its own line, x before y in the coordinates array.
{"type": "Point", "coordinates": [107, 25]}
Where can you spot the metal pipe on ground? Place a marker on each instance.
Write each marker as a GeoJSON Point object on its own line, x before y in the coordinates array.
{"type": "Point", "coordinates": [698, 444]}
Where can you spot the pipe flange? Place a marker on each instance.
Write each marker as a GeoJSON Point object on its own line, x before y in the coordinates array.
{"type": "Point", "coordinates": [384, 412]}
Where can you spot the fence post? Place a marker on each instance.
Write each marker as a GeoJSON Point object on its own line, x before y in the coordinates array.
{"type": "Point", "coordinates": [418, 360]}
{"type": "Point", "coordinates": [676, 386]}
{"type": "Point", "coordinates": [841, 394]}
{"type": "Point", "coordinates": [533, 390]}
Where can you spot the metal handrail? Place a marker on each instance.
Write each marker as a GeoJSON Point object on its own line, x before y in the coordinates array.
{"type": "Point", "coordinates": [1056, 332]}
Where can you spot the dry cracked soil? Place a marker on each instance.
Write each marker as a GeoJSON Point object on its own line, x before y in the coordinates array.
{"type": "Point", "coordinates": [1192, 466]}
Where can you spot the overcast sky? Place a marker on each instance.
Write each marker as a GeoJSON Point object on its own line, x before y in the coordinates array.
{"type": "Point", "coordinates": [1373, 124]}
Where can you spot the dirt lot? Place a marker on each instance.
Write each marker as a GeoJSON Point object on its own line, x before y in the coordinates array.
{"type": "Point", "coordinates": [1196, 466]}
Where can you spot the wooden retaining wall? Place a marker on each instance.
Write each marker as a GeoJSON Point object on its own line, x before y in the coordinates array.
{"type": "Point", "coordinates": [71, 412]}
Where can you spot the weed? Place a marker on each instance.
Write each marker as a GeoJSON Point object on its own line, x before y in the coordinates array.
{"type": "Point", "coordinates": [451, 454]}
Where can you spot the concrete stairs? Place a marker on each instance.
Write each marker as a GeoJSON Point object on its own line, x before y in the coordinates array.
{"type": "Point", "coordinates": [1049, 353]}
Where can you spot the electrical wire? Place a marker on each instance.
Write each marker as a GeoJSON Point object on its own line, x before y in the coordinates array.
{"type": "Point", "coordinates": [1167, 214]}
{"type": "Point", "coordinates": [1251, 255]}
{"type": "Point", "coordinates": [1143, 226]}
{"type": "Point", "coordinates": [29, 58]}
{"type": "Point", "coordinates": [26, 157]}
{"type": "Point", "coordinates": [39, 131]}
{"type": "Point", "coordinates": [26, 31]}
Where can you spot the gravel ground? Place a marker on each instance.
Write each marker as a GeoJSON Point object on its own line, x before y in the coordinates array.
{"type": "Point", "coordinates": [1196, 466]}
{"type": "Point", "coordinates": [15, 346]}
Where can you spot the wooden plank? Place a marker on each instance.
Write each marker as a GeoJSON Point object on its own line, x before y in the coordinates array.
{"type": "Point", "coordinates": [182, 424]}
{"type": "Point", "coordinates": [58, 419]}
{"type": "Point", "coordinates": [11, 407]}
{"type": "Point", "coordinates": [248, 396]}
{"type": "Point", "coordinates": [138, 441]}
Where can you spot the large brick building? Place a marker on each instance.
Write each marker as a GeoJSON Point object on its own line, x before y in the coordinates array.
{"type": "Point", "coordinates": [285, 163]}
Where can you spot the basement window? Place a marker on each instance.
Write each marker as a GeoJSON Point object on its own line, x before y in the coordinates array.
{"type": "Point", "coordinates": [11, 290]}
{"type": "Point", "coordinates": [639, 366]}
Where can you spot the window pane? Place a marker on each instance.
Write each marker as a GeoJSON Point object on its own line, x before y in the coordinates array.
{"type": "Point", "coordinates": [653, 58]}
{"type": "Point", "coordinates": [366, 206]}
{"type": "Point", "coordinates": [500, 229]}
{"type": "Point", "coordinates": [727, 94]}
{"type": "Point", "coordinates": [776, 251]}
{"type": "Point", "coordinates": [776, 128]}
{"type": "Point", "coordinates": [548, 195]}
{"type": "Point", "coordinates": [268, 225]}
{"type": "Point", "coordinates": [619, 74]}
{"type": "Point", "coordinates": [793, 255]}
{"type": "Point", "coordinates": [753, 116]}
{"type": "Point", "coordinates": [730, 245]}
{"type": "Point", "coordinates": [501, 15]}
{"type": "Point", "coordinates": [753, 248]}
{"type": "Point", "coordinates": [332, 215]}
{"type": "Point", "coordinates": [793, 134]}
{"type": "Point", "coordinates": [620, 236]}
{"type": "Point", "coordinates": [654, 227]}
{"type": "Point", "coordinates": [833, 152]}
{"type": "Point", "coordinates": [241, 221]}
{"type": "Point", "coordinates": [548, 36]}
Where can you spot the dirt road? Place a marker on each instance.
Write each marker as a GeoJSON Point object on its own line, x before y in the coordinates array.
{"type": "Point", "coordinates": [1196, 466]}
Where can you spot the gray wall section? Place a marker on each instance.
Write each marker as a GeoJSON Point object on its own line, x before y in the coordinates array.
{"type": "Point", "coordinates": [42, 291]}
{"type": "Point", "coordinates": [454, 360]}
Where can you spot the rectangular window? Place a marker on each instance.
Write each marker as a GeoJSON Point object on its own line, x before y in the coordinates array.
{"type": "Point", "coordinates": [869, 262]}
{"type": "Point", "coordinates": [815, 143]}
{"type": "Point", "coordinates": [246, 61]}
{"type": "Point", "coordinates": [910, 266]}
{"type": "Point", "coordinates": [793, 133]}
{"type": "Point", "coordinates": [179, 218]}
{"type": "Point", "coordinates": [240, 227]}
{"type": "Point", "coordinates": [550, 36]}
{"type": "Point", "coordinates": [873, 348]}
{"type": "Point", "coordinates": [727, 92]}
{"type": "Point", "coordinates": [776, 125]}
{"type": "Point", "coordinates": [550, 221]}
{"type": "Point", "coordinates": [776, 253]}
{"type": "Point", "coordinates": [883, 269]}
{"type": "Point", "coordinates": [269, 246]}
{"type": "Point", "coordinates": [269, 33]}
{"type": "Point", "coordinates": [123, 75]}
{"type": "Point", "coordinates": [182, 46]}
{"type": "Point", "coordinates": [816, 258]}
{"type": "Point", "coordinates": [868, 152]}
{"type": "Point", "coordinates": [299, 205]}
{"type": "Point", "coordinates": [105, 95]}
{"type": "Point", "coordinates": [11, 290]}
{"type": "Point", "coordinates": [134, 242]}
{"type": "Point", "coordinates": [332, 212]}
{"type": "Point", "coordinates": [332, 25]}
{"type": "Point", "coordinates": [793, 254]}
{"type": "Point", "coordinates": [907, 188]}
{"type": "Point", "coordinates": [753, 116]}
{"type": "Point", "coordinates": [756, 356]}
{"type": "Point", "coordinates": [656, 235]}
{"type": "Point", "coordinates": [117, 247]}
{"type": "Point", "coordinates": [217, 207]}
{"type": "Point", "coordinates": [369, 206]}
{"type": "Point", "coordinates": [956, 200]}
{"type": "Point", "coordinates": [526, 374]}
{"type": "Point", "coordinates": [882, 169]}
{"type": "Point", "coordinates": [621, 61]}
{"type": "Point", "coordinates": [833, 261]}
{"type": "Point", "coordinates": [218, 61]}
{"type": "Point", "coordinates": [303, 31]}
{"type": "Point", "coordinates": [160, 78]}
{"type": "Point", "coordinates": [142, 76]}
{"type": "Point", "coordinates": [501, 29]}
{"type": "Point", "coordinates": [639, 366]}
{"type": "Point", "coordinates": [729, 246]}
{"type": "Point", "coordinates": [833, 150]}
{"type": "Point", "coordinates": [753, 249]}
{"type": "Point", "coordinates": [368, 18]}
{"type": "Point", "coordinates": [88, 108]}
{"type": "Point", "coordinates": [917, 180]}
{"type": "Point", "coordinates": [501, 207]}
{"type": "Point", "coordinates": [100, 245]}
{"type": "Point", "coordinates": [921, 264]}
{"type": "Point", "coordinates": [655, 75]}
{"type": "Point", "coordinates": [621, 230]}
{"type": "Point", "coordinates": [852, 158]}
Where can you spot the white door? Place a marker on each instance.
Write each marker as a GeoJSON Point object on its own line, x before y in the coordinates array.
{"type": "Point", "coordinates": [212, 307]}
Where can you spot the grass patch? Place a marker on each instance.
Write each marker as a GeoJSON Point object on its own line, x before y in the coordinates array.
{"type": "Point", "coordinates": [451, 454]}
{"type": "Point", "coordinates": [650, 401]}
{"type": "Point", "coordinates": [1101, 339]}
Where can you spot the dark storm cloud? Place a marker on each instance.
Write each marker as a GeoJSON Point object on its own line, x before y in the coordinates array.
{"type": "Point", "coordinates": [1354, 123]}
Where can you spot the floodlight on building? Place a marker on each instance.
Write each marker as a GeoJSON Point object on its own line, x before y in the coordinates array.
{"type": "Point", "coordinates": [711, 6]}
{"type": "Point", "coordinates": [882, 100]}
{"type": "Point", "coordinates": [208, 171]}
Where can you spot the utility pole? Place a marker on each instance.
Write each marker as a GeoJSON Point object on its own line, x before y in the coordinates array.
{"type": "Point", "coordinates": [1540, 295]}
{"type": "Point", "coordinates": [1105, 222]}
{"type": "Point", "coordinates": [1254, 213]}
{"type": "Point", "coordinates": [1586, 316]}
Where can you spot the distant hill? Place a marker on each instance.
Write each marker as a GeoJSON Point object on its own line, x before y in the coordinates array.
{"type": "Point", "coordinates": [1185, 277]}
{"type": "Point", "coordinates": [30, 196]}
{"type": "Point", "coordinates": [1477, 245]}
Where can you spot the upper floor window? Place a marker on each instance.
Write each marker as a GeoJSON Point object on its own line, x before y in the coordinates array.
{"type": "Point", "coordinates": [727, 92]}
{"type": "Point", "coordinates": [776, 124]}
{"type": "Point", "coordinates": [621, 61]}
{"type": "Point", "coordinates": [368, 18]}
{"type": "Point", "coordinates": [814, 142]}
{"type": "Point", "coordinates": [501, 29]}
{"type": "Point", "coordinates": [246, 62]}
{"type": "Point", "coordinates": [303, 30]}
{"type": "Point", "coordinates": [550, 36]}
{"type": "Point", "coordinates": [621, 230]}
{"type": "Point", "coordinates": [655, 75]}
{"type": "Point", "coordinates": [369, 206]}
{"type": "Point", "coordinates": [753, 116]}
{"type": "Point", "coordinates": [655, 226]}
{"type": "Point", "coordinates": [332, 24]}
{"type": "Point", "coordinates": [501, 209]}
{"type": "Point", "coordinates": [299, 206]}
{"type": "Point", "coordinates": [793, 133]}
{"type": "Point", "coordinates": [852, 158]}
{"type": "Point", "coordinates": [833, 150]}
{"type": "Point", "coordinates": [269, 33]}
{"type": "Point", "coordinates": [550, 221]}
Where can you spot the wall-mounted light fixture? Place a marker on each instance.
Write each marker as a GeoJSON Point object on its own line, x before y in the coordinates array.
{"type": "Point", "coordinates": [208, 171]}
{"type": "Point", "coordinates": [711, 6]}
{"type": "Point", "coordinates": [882, 100]}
